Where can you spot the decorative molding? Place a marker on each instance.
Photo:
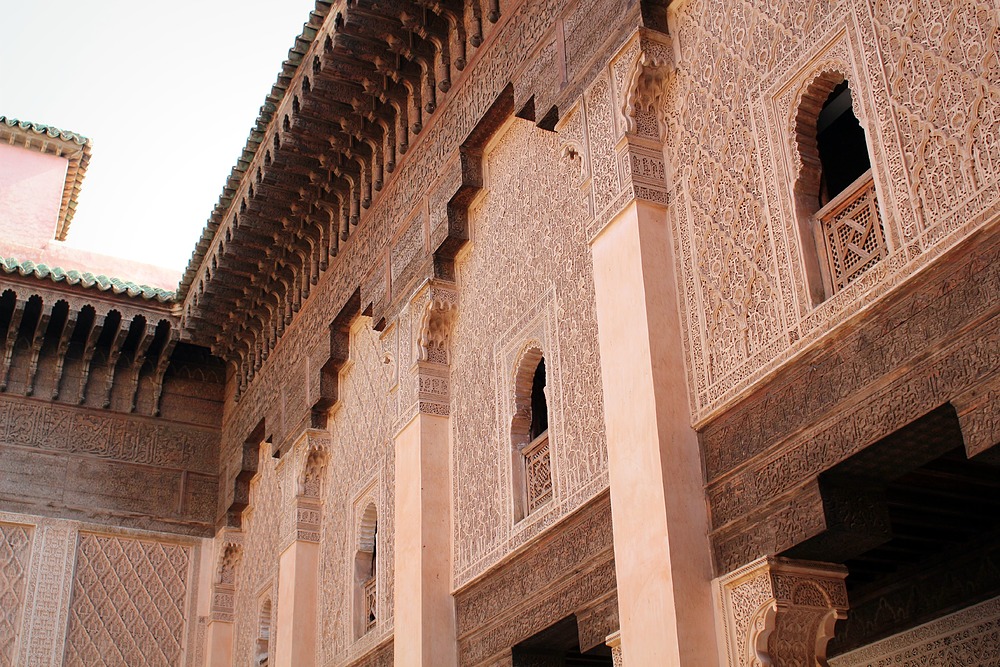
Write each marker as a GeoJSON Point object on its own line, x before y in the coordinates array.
{"type": "Point", "coordinates": [439, 311]}
{"type": "Point", "coordinates": [970, 638]}
{"type": "Point", "coordinates": [780, 611]}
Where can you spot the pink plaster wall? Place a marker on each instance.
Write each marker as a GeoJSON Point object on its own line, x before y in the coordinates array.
{"type": "Point", "coordinates": [55, 253]}
{"type": "Point", "coordinates": [31, 190]}
{"type": "Point", "coordinates": [31, 187]}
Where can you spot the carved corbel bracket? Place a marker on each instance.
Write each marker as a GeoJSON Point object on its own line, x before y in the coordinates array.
{"type": "Point", "coordinates": [781, 612]}
{"type": "Point", "coordinates": [312, 451]}
{"type": "Point", "coordinates": [643, 70]}
{"type": "Point", "coordinates": [438, 316]}
{"type": "Point", "coordinates": [226, 576]}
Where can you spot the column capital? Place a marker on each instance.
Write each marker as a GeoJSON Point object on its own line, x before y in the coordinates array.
{"type": "Point", "coordinates": [642, 70]}
{"type": "Point", "coordinates": [435, 307]}
{"type": "Point", "coordinates": [230, 545]}
{"type": "Point", "coordinates": [778, 611]}
{"type": "Point", "coordinates": [438, 303]}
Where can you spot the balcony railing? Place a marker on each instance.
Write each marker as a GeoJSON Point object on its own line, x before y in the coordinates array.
{"type": "Point", "coordinates": [852, 233]}
{"type": "Point", "coordinates": [538, 472]}
{"type": "Point", "coordinates": [370, 601]}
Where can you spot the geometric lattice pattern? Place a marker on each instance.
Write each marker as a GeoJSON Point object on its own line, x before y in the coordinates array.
{"type": "Point", "coordinates": [371, 600]}
{"type": "Point", "coordinates": [538, 472]}
{"type": "Point", "coordinates": [853, 233]}
{"type": "Point", "coordinates": [128, 603]}
{"type": "Point", "coordinates": [15, 548]}
{"type": "Point", "coordinates": [852, 230]}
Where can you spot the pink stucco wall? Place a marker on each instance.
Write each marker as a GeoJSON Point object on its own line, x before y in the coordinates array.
{"type": "Point", "coordinates": [31, 190]}
{"type": "Point", "coordinates": [31, 187]}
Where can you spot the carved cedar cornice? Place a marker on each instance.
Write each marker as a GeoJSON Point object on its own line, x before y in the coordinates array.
{"type": "Point", "coordinates": [64, 340]}
{"type": "Point", "coordinates": [365, 80]}
{"type": "Point", "coordinates": [781, 612]}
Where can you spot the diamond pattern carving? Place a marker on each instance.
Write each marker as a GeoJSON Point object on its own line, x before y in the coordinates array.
{"type": "Point", "coordinates": [128, 602]}
{"type": "Point", "coordinates": [15, 548]}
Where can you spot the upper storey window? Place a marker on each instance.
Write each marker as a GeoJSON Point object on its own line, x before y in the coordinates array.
{"type": "Point", "coordinates": [835, 193]}
{"type": "Point", "coordinates": [532, 473]}
{"type": "Point", "coordinates": [843, 151]}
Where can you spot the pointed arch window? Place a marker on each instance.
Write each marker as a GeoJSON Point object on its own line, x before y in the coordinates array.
{"type": "Point", "coordinates": [263, 634]}
{"type": "Point", "coordinates": [531, 451]}
{"type": "Point", "coordinates": [836, 201]}
{"type": "Point", "coordinates": [366, 574]}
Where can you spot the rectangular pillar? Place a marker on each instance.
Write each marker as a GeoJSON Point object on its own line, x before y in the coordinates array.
{"type": "Point", "coordinates": [658, 506]}
{"type": "Point", "coordinates": [219, 644]}
{"type": "Point", "coordinates": [298, 588]}
{"type": "Point", "coordinates": [424, 612]}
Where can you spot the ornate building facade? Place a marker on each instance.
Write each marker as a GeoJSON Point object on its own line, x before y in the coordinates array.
{"type": "Point", "coordinates": [537, 333]}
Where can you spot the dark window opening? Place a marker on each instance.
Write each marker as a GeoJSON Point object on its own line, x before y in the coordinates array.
{"type": "Point", "coordinates": [843, 151]}
{"type": "Point", "coordinates": [539, 409]}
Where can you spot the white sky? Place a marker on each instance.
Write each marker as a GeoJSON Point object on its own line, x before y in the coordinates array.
{"type": "Point", "coordinates": [167, 91]}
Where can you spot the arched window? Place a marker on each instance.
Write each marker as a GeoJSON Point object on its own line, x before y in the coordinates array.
{"type": "Point", "coordinates": [839, 217]}
{"type": "Point", "coordinates": [840, 140]}
{"type": "Point", "coordinates": [366, 574]}
{"type": "Point", "coordinates": [532, 466]}
{"type": "Point", "coordinates": [263, 634]}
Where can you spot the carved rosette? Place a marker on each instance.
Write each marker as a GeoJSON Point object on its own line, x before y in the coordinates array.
{"type": "Point", "coordinates": [437, 303]}
{"type": "Point", "coordinates": [226, 576]}
{"type": "Point", "coordinates": [781, 612]}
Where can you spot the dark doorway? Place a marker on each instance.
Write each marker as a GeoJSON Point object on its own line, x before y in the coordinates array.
{"type": "Point", "coordinates": [559, 646]}
{"type": "Point", "coordinates": [917, 524]}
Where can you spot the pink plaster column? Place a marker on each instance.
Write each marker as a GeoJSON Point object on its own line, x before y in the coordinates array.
{"type": "Point", "coordinates": [298, 587]}
{"type": "Point", "coordinates": [424, 609]}
{"type": "Point", "coordinates": [657, 498]}
{"type": "Point", "coordinates": [219, 633]}
{"type": "Point", "coordinates": [297, 633]}
{"type": "Point", "coordinates": [219, 644]}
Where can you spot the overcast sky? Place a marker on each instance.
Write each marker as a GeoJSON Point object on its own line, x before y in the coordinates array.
{"type": "Point", "coordinates": [167, 91]}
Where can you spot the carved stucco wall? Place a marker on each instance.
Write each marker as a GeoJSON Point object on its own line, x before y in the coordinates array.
{"type": "Point", "coordinates": [926, 80]}
{"type": "Point", "coordinates": [15, 549]}
{"type": "Point", "coordinates": [359, 469]}
{"type": "Point", "coordinates": [970, 637]}
{"type": "Point", "coordinates": [78, 594]}
{"type": "Point", "coordinates": [258, 571]}
{"type": "Point", "coordinates": [525, 278]}
{"type": "Point", "coordinates": [129, 602]}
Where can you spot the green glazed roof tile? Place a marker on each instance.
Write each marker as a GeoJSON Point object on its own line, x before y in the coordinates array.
{"type": "Point", "coordinates": [85, 279]}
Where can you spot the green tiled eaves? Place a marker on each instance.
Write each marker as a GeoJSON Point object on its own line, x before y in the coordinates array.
{"type": "Point", "coordinates": [85, 279]}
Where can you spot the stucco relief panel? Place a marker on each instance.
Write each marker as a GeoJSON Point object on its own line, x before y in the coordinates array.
{"type": "Point", "coordinates": [925, 75]}
{"type": "Point", "coordinates": [361, 468]}
{"type": "Point", "coordinates": [15, 551]}
{"type": "Point", "coordinates": [258, 574]}
{"type": "Point", "coordinates": [526, 275]}
{"type": "Point", "coordinates": [130, 602]}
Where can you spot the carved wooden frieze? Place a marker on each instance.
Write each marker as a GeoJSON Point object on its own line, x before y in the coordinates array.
{"type": "Point", "coordinates": [567, 571]}
{"type": "Point", "coordinates": [870, 382]}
